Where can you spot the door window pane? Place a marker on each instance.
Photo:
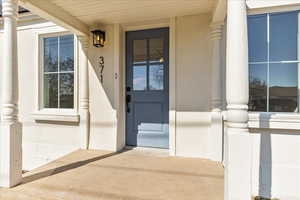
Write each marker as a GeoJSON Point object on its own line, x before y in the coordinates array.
{"type": "Point", "coordinates": [156, 50]}
{"type": "Point", "coordinates": [51, 54]}
{"type": "Point", "coordinates": [258, 45]}
{"type": "Point", "coordinates": [50, 90]}
{"type": "Point", "coordinates": [66, 91]}
{"type": "Point", "coordinates": [139, 51]}
{"type": "Point", "coordinates": [140, 77]}
{"type": "Point", "coordinates": [156, 77]}
{"type": "Point", "coordinates": [66, 53]}
{"type": "Point", "coordinates": [283, 87]}
{"type": "Point", "coordinates": [283, 36]}
{"type": "Point", "coordinates": [258, 87]}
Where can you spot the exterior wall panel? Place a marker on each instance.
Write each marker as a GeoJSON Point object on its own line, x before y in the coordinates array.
{"type": "Point", "coordinates": [276, 163]}
{"type": "Point", "coordinates": [193, 85]}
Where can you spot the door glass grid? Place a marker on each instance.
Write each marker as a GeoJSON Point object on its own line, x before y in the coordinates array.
{"type": "Point", "coordinates": [140, 77]}
{"type": "Point", "coordinates": [148, 64]}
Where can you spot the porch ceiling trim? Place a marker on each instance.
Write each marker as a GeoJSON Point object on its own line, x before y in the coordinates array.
{"type": "Point", "coordinates": [52, 12]}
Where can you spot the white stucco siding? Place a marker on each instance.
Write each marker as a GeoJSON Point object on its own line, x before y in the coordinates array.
{"type": "Point", "coordinates": [193, 63]}
{"type": "Point", "coordinates": [192, 135]}
{"type": "Point", "coordinates": [102, 108]}
{"type": "Point", "coordinates": [276, 163]}
{"type": "Point", "coordinates": [193, 85]}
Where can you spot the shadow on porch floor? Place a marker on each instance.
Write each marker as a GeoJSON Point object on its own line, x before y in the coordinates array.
{"type": "Point", "coordinates": [130, 175]}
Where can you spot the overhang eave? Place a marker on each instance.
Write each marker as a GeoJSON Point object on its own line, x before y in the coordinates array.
{"type": "Point", "coordinates": [59, 16]}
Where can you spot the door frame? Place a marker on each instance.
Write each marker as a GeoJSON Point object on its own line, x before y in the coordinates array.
{"type": "Point", "coordinates": [120, 68]}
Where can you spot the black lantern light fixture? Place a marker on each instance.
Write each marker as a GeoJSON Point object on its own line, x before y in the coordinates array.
{"type": "Point", "coordinates": [98, 38]}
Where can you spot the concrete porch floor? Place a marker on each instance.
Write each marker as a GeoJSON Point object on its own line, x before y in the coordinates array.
{"type": "Point", "coordinates": [130, 175]}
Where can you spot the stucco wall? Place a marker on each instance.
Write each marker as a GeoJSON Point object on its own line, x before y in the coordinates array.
{"type": "Point", "coordinates": [276, 163]}
{"type": "Point", "coordinates": [102, 105]}
{"type": "Point", "coordinates": [193, 63]}
{"type": "Point", "coordinates": [193, 85]}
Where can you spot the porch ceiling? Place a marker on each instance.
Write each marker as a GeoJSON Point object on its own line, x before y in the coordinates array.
{"type": "Point", "coordinates": [93, 12]}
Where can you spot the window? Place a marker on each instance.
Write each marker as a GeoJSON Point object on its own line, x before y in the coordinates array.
{"type": "Point", "coordinates": [273, 62]}
{"type": "Point", "coordinates": [58, 72]}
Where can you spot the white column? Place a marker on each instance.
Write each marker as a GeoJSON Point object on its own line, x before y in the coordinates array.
{"type": "Point", "coordinates": [238, 148]}
{"type": "Point", "coordinates": [84, 92]}
{"type": "Point", "coordinates": [11, 129]}
{"type": "Point", "coordinates": [216, 130]}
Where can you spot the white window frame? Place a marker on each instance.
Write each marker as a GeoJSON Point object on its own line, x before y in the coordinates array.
{"type": "Point", "coordinates": [54, 114]}
{"type": "Point", "coordinates": [277, 120]}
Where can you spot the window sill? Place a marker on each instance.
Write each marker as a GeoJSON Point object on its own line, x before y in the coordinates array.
{"type": "Point", "coordinates": [263, 120]}
{"type": "Point", "coordinates": [56, 115]}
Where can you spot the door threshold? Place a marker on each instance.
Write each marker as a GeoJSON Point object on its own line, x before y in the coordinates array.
{"type": "Point", "coordinates": [148, 151]}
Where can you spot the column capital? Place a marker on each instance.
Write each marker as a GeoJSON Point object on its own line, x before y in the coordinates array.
{"type": "Point", "coordinates": [84, 40]}
{"type": "Point", "coordinates": [10, 8]}
{"type": "Point", "coordinates": [216, 30]}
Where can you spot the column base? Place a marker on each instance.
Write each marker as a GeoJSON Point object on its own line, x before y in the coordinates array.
{"type": "Point", "coordinates": [84, 128]}
{"type": "Point", "coordinates": [10, 154]}
{"type": "Point", "coordinates": [238, 165]}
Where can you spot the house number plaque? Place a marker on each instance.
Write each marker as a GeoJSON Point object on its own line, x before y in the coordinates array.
{"type": "Point", "coordinates": [101, 65]}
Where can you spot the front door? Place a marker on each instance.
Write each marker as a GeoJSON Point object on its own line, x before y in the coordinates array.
{"type": "Point", "coordinates": [147, 88]}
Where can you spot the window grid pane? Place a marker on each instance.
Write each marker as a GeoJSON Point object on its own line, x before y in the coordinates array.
{"type": "Point", "coordinates": [283, 86]}
{"type": "Point", "coordinates": [258, 87]}
{"type": "Point", "coordinates": [50, 91]}
{"type": "Point", "coordinates": [50, 54]}
{"type": "Point", "coordinates": [66, 89]}
{"type": "Point", "coordinates": [258, 36]}
{"type": "Point", "coordinates": [283, 31]}
{"type": "Point", "coordinates": [66, 53]}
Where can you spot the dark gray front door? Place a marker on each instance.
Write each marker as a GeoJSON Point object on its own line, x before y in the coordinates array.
{"type": "Point", "coordinates": [147, 88]}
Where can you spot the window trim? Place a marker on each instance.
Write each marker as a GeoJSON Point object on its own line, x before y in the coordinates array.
{"type": "Point", "coordinates": [54, 114]}
{"type": "Point", "coordinates": [268, 11]}
{"type": "Point", "coordinates": [273, 9]}
{"type": "Point", "coordinates": [274, 120]}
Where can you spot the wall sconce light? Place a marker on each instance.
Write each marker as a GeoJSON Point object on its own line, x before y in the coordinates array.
{"type": "Point", "coordinates": [98, 38]}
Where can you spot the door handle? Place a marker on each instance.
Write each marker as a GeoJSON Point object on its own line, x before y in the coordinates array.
{"type": "Point", "coordinates": [128, 100]}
